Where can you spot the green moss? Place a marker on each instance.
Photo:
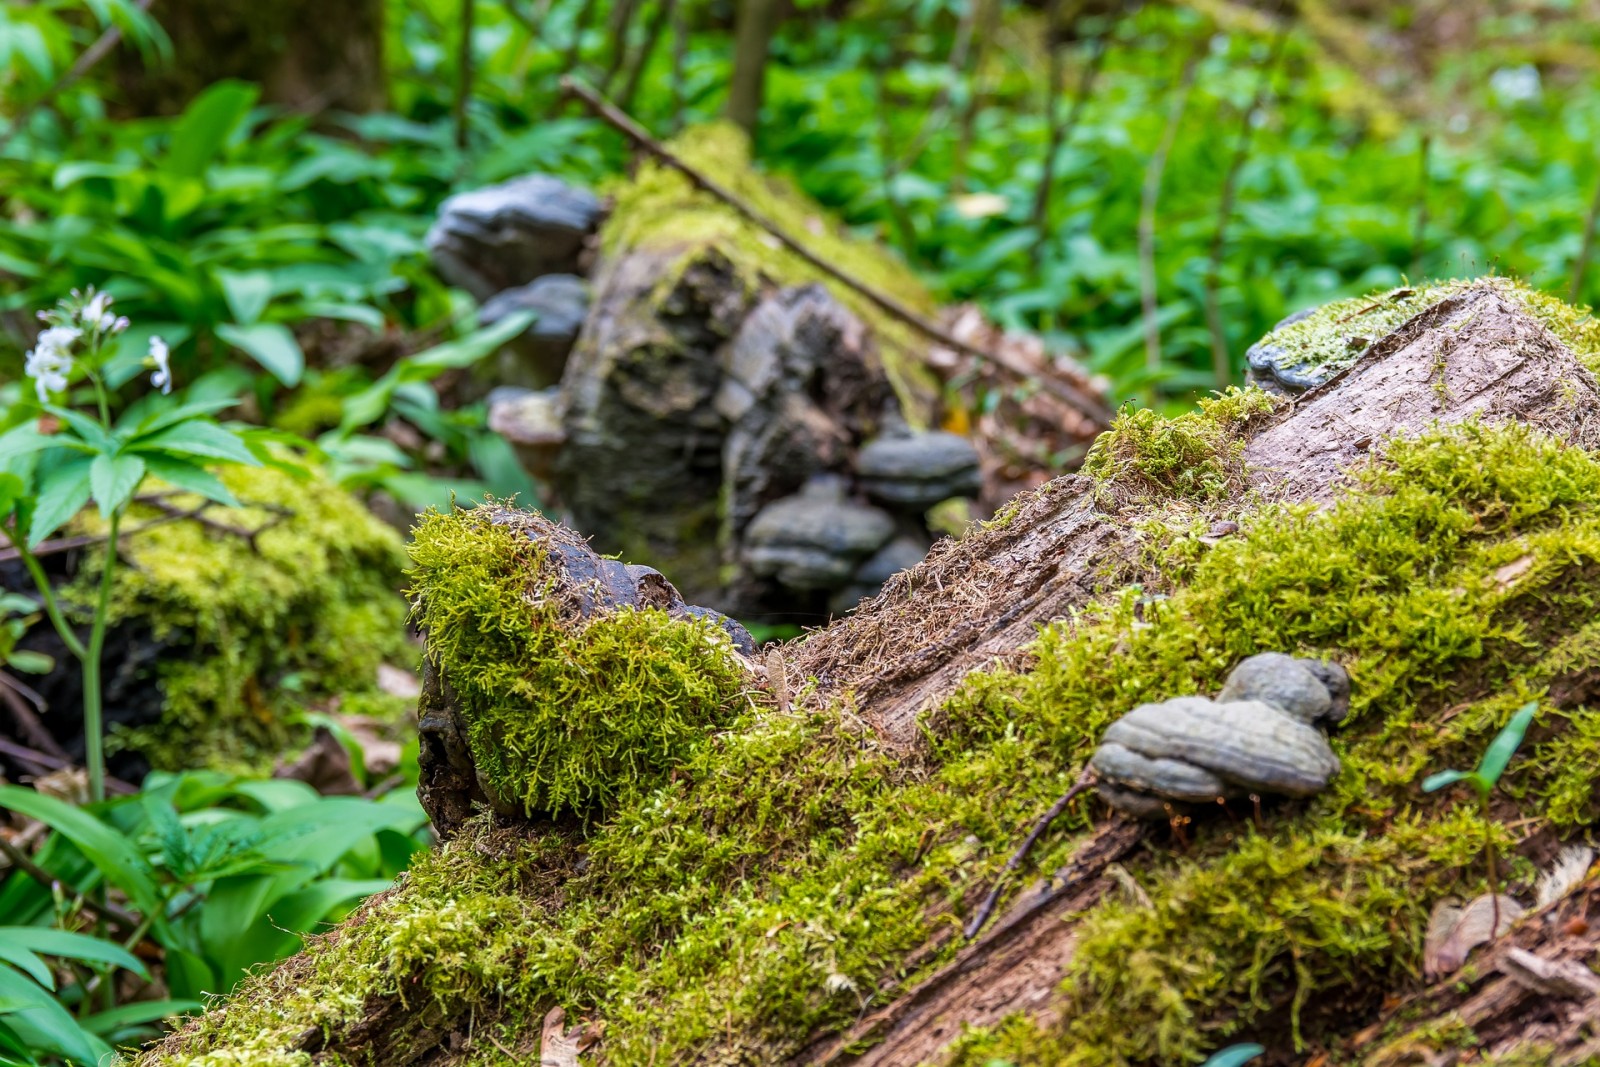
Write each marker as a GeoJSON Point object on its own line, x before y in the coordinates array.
{"type": "Point", "coordinates": [304, 609]}
{"type": "Point", "coordinates": [792, 875]}
{"type": "Point", "coordinates": [1145, 457]}
{"type": "Point", "coordinates": [658, 208]}
{"type": "Point", "coordinates": [1337, 335]}
{"type": "Point", "coordinates": [560, 713]}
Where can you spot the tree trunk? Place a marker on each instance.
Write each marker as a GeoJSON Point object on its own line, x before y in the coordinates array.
{"type": "Point", "coordinates": [307, 56]}
{"type": "Point", "coordinates": [757, 21]}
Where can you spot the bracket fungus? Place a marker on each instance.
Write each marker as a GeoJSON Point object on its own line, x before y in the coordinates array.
{"type": "Point", "coordinates": [1262, 734]}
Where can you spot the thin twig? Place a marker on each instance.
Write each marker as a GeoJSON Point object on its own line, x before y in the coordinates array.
{"type": "Point", "coordinates": [1221, 364]}
{"type": "Point", "coordinates": [939, 109]}
{"type": "Point", "coordinates": [641, 59]}
{"type": "Point", "coordinates": [29, 728]}
{"type": "Point", "coordinates": [1091, 407]}
{"type": "Point", "coordinates": [464, 72]}
{"type": "Point", "coordinates": [580, 23]}
{"type": "Point", "coordinates": [988, 18]}
{"type": "Point", "coordinates": [1580, 266]}
{"type": "Point", "coordinates": [1085, 780]}
{"type": "Point", "coordinates": [680, 58]}
{"type": "Point", "coordinates": [48, 763]}
{"type": "Point", "coordinates": [1147, 216]}
{"type": "Point", "coordinates": [1061, 132]}
{"type": "Point", "coordinates": [622, 13]}
{"type": "Point", "coordinates": [1419, 236]}
{"type": "Point", "coordinates": [905, 231]}
{"type": "Point", "coordinates": [106, 910]}
{"type": "Point", "coordinates": [86, 62]}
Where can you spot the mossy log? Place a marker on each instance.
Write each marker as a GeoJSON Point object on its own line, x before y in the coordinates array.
{"type": "Point", "coordinates": [791, 886]}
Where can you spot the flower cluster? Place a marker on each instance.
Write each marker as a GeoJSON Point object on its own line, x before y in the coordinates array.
{"type": "Point", "coordinates": [83, 322]}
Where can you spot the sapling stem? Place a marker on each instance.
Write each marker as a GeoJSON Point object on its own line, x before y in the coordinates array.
{"type": "Point", "coordinates": [1488, 852]}
{"type": "Point", "coordinates": [93, 742]}
{"type": "Point", "coordinates": [52, 608]}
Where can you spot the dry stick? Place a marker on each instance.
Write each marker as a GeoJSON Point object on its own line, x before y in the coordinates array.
{"type": "Point", "coordinates": [905, 230]}
{"type": "Point", "coordinates": [29, 728]}
{"type": "Point", "coordinates": [464, 73]}
{"type": "Point", "coordinates": [680, 57]}
{"type": "Point", "coordinates": [1221, 365]}
{"type": "Point", "coordinates": [47, 763]}
{"type": "Point", "coordinates": [641, 60]}
{"type": "Point", "coordinates": [569, 59]}
{"type": "Point", "coordinates": [988, 18]}
{"type": "Point", "coordinates": [1091, 407]}
{"type": "Point", "coordinates": [1085, 780]}
{"type": "Point", "coordinates": [106, 910]}
{"type": "Point", "coordinates": [92, 55]}
{"type": "Point", "coordinates": [1581, 266]}
{"type": "Point", "coordinates": [1421, 231]}
{"type": "Point", "coordinates": [1147, 217]}
{"type": "Point", "coordinates": [1061, 132]}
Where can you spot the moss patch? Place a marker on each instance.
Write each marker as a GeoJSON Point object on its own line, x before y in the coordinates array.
{"type": "Point", "coordinates": [1145, 458]}
{"type": "Point", "coordinates": [560, 713]}
{"type": "Point", "coordinates": [1337, 335]}
{"type": "Point", "coordinates": [261, 625]}
{"type": "Point", "coordinates": [791, 876]}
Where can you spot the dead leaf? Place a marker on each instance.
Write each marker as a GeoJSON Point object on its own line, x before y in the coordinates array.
{"type": "Point", "coordinates": [324, 766]}
{"type": "Point", "coordinates": [1453, 932]}
{"type": "Point", "coordinates": [560, 1047]}
{"type": "Point", "coordinates": [398, 682]}
{"type": "Point", "coordinates": [379, 754]}
{"type": "Point", "coordinates": [980, 205]}
{"type": "Point", "coordinates": [1565, 874]}
{"type": "Point", "coordinates": [1567, 979]}
{"type": "Point", "coordinates": [1505, 577]}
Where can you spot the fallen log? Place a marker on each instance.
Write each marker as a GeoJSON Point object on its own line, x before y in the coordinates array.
{"type": "Point", "coordinates": [782, 873]}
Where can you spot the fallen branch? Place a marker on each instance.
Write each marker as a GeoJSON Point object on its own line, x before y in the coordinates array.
{"type": "Point", "coordinates": [1091, 407]}
{"type": "Point", "coordinates": [1085, 780]}
{"type": "Point", "coordinates": [18, 697]}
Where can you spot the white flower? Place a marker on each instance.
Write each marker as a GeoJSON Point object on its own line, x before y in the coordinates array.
{"type": "Point", "coordinates": [97, 312]}
{"type": "Point", "coordinates": [162, 378]}
{"type": "Point", "coordinates": [50, 360]}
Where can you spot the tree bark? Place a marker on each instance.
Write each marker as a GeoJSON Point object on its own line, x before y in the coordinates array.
{"type": "Point", "coordinates": [757, 21]}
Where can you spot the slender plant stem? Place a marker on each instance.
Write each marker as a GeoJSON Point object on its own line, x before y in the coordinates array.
{"type": "Point", "coordinates": [1419, 236]}
{"type": "Point", "coordinates": [1061, 130]}
{"type": "Point", "coordinates": [1494, 879]}
{"type": "Point", "coordinates": [464, 73]}
{"type": "Point", "coordinates": [52, 607]}
{"type": "Point", "coordinates": [93, 741]}
{"type": "Point", "coordinates": [1147, 217]}
{"type": "Point", "coordinates": [1580, 266]}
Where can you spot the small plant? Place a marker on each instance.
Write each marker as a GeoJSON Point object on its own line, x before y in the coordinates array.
{"type": "Point", "coordinates": [1234, 1056]}
{"type": "Point", "coordinates": [55, 458]}
{"type": "Point", "coordinates": [1483, 779]}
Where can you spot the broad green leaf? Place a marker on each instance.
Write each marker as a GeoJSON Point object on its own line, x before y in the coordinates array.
{"type": "Point", "coordinates": [107, 849]}
{"type": "Point", "coordinates": [125, 354]}
{"type": "Point", "coordinates": [159, 418]}
{"type": "Point", "coordinates": [113, 479]}
{"type": "Point", "coordinates": [63, 491]}
{"type": "Point", "coordinates": [247, 293]}
{"type": "Point", "coordinates": [46, 1026]}
{"type": "Point", "coordinates": [72, 946]}
{"type": "Point", "coordinates": [205, 126]}
{"type": "Point", "coordinates": [464, 351]}
{"type": "Point", "coordinates": [1435, 782]}
{"type": "Point", "coordinates": [30, 662]}
{"type": "Point", "coordinates": [106, 1023]}
{"type": "Point", "coordinates": [94, 435]}
{"type": "Point", "coordinates": [1234, 1056]}
{"type": "Point", "coordinates": [271, 345]}
{"type": "Point", "coordinates": [26, 439]}
{"type": "Point", "coordinates": [197, 437]}
{"type": "Point", "coordinates": [189, 976]}
{"type": "Point", "coordinates": [1505, 745]}
{"type": "Point", "coordinates": [190, 477]}
{"type": "Point", "coordinates": [14, 1052]}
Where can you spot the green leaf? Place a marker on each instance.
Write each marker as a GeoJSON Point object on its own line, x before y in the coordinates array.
{"type": "Point", "coordinates": [27, 961]}
{"type": "Point", "coordinates": [200, 134]}
{"type": "Point", "coordinates": [113, 479]}
{"type": "Point", "coordinates": [197, 437]}
{"type": "Point", "coordinates": [94, 435]}
{"type": "Point", "coordinates": [1435, 782]}
{"type": "Point", "coordinates": [188, 975]}
{"type": "Point", "coordinates": [30, 662]}
{"type": "Point", "coordinates": [63, 491]}
{"type": "Point", "coordinates": [247, 293]}
{"type": "Point", "coordinates": [105, 847]}
{"type": "Point", "coordinates": [46, 1026]}
{"type": "Point", "coordinates": [1234, 1056]}
{"type": "Point", "coordinates": [271, 345]}
{"type": "Point", "coordinates": [72, 946]}
{"type": "Point", "coordinates": [1505, 745]}
{"type": "Point", "coordinates": [191, 478]}
{"type": "Point", "coordinates": [25, 440]}
{"type": "Point", "coordinates": [106, 1023]}
{"type": "Point", "coordinates": [14, 1050]}
{"type": "Point", "coordinates": [159, 419]}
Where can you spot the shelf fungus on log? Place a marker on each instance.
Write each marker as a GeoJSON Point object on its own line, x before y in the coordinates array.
{"type": "Point", "coordinates": [1260, 735]}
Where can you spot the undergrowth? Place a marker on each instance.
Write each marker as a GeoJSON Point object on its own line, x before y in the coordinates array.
{"type": "Point", "coordinates": [791, 875]}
